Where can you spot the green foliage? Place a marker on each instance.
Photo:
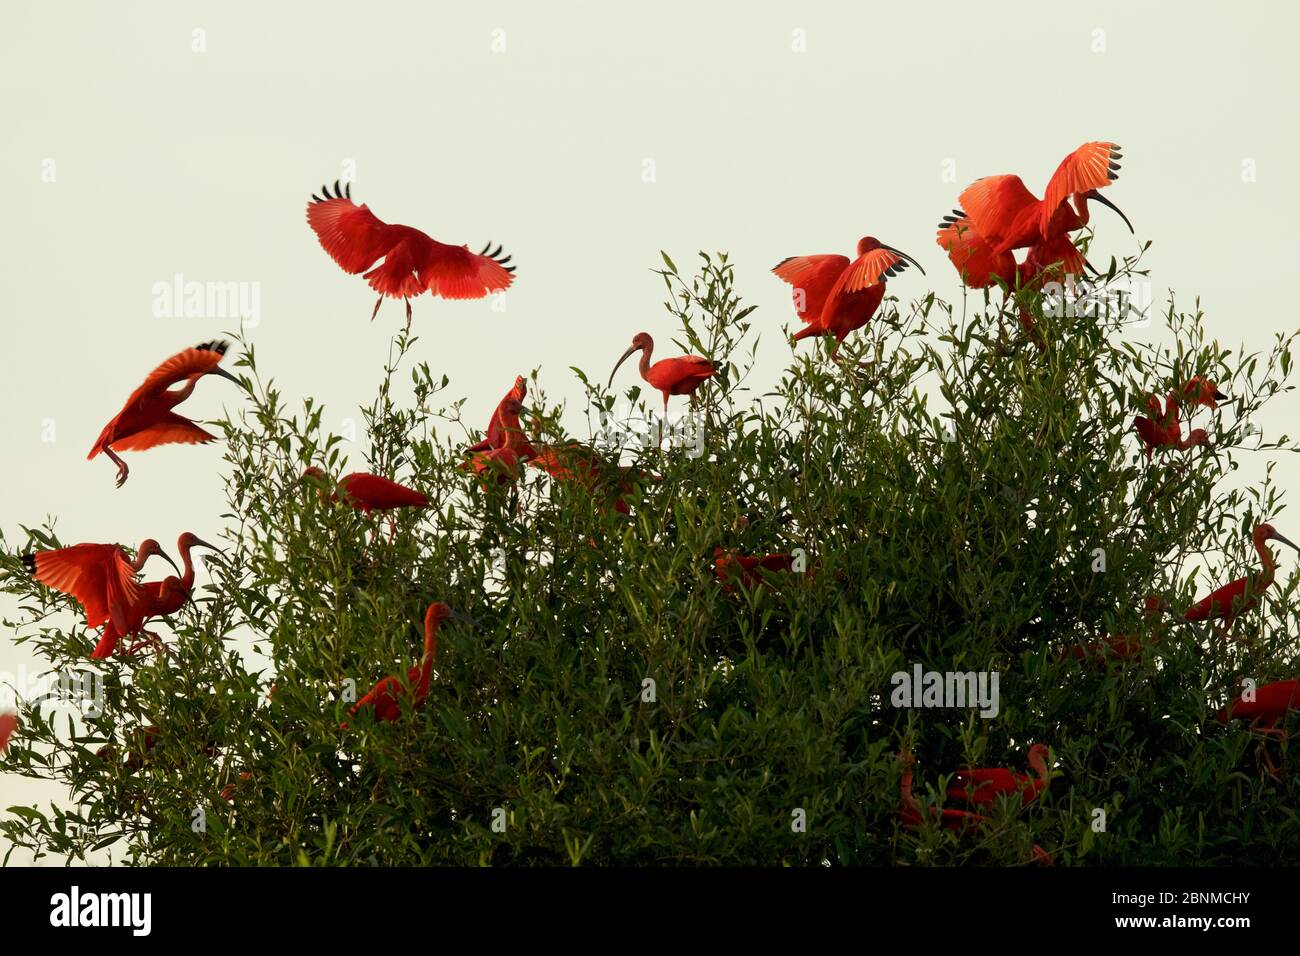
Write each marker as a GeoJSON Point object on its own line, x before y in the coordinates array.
{"type": "Point", "coordinates": [949, 484]}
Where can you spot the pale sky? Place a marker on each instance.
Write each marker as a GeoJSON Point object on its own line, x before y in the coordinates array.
{"type": "Point", "coordinates": [772, 128]}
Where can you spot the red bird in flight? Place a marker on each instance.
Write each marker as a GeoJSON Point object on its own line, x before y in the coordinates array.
{"type": "Point", "coordinates": [835, 296]}
{"type": "Point", "coordinates": [681, 375]}
{"type": "Point", "coordinates": [413, 262]}
{"type": "Point", "coordinates": [163, 599]}
{"type": "Point", "coordinates": [102, 579]}
{"type": "Point", "coordinates": [1004, 215]}
{"type": "Point", "coordinates": [147, 419]}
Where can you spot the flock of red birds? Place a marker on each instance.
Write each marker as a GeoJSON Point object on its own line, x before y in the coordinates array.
{"type": "Point", "coordinates": [833, 296]}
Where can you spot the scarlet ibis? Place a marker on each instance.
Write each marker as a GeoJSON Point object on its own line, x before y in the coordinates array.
{"type": "Point", "coordinates": [506, 458]}
{"type": "Point", "coordinates": [147, 419]}
{"type": "Point", "coordinates": [1271, 703]}
{"type": "Point", "coordinates": [834, 296]}
{"type": "Point", "coordinates": [984, 786]}
{"type": "Point", "coordinates": [972, 255]}
{"type": "Point", "coordinates": [506, 463]}
{"type": "Point", "coordinates": [505, 420]}
{"type": "Point", "coordinates": [584, 467]}
{"type": "Point", "coordinates": [1198, 391]}
{"type": "Point", "coordinates": [101, 578]}
{"type": "Point", "coordinates": [1006, 215]}
{"type": "Point", "coordinates": [672, 376]}
{"type": "Point", "coordinates": [163, 599]}
{"type": "Point", "coordinates": [385, 699]}
{"type": "Point", "coordinates": [1123, 646]}
{"type": "Point", "coordinates": [413, 262]}
{"type": "Point", "coordinates": [1243, 594]}
{"type": "Point", "coordinates": [1164, 427]}
{"type": "Point", "coordinates": [749, 571]}
{"type": "Point", "coordinates": [909, 810]}
{"type": "Point", "coordinates": [8, 724]}
{"type": "Point", "coordinates": [370, 493]}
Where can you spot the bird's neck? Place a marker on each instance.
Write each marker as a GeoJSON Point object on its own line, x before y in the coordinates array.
{"type": "Point", "coordinates": [187, 570]}
{"type": "Point", "coordinates": [177, 395]}
{"type": "Point", "coordinates": [1265, 578]}
{"type": "Point", "coordinates": [644, 367]}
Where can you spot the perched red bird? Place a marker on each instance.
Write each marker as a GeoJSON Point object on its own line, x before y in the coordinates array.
{"type": "Point", "coordinates": [1241, 595]}
{"type": "Point", "coordinates": [1005, 215]}
{"type": "Point", "coordinates": [581, 465]}
{"type": "Point", "coordinates": [1163, 427]}
{"type": "Point", "coordinates": [737, 569]}
{"type": "Point", "coordinates": [505, 420]}
{"type": "Point", "coordinates": [1271, 703]}
{"type": "Point", "coordinates": [835, 296]}
{"type": "Point", "coordinates": [984, 786]}
{"type": "Point", "coordinates": [386, 698]}
{"type": "Point", "coordinates": [369, 493]}
{"type": "Point", "coordinates": [958, 821]}
{"type": "Point", "coordinates": [671, 376]}
{"type": "Point", "coordinates": [147, 419]}
{"type": "Point", "coordinates": [413, 262]}
{"type": "Point", "coordinates": [8, 724]}
{"type": "Point", "coordinates": [505, 463]}
{"type": "Point", "coordinates": [102, 578]}
{"type": "Point", "coordinates": [1122, 646]}
{"type": "Point", "coordinates": [909, 810]}
{"type": "Point", "coordinates": [163, 599]}
{"type": "Point", "coordinates": [507, 448]}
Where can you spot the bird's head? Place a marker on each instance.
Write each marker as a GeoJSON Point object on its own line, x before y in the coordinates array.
{"type": "Point", "coordinates": [520, 391]}
{"type": "Point", "coordinates": [1082, 198]}
{"type": "Point", "coordinates": [189, 541]}
{"type": "Point", "coordinates": [640, 342]}
{"type": "Point", "coordinates": [148, 549]}
{"type": "Point", "coordinates": [1266, 532]}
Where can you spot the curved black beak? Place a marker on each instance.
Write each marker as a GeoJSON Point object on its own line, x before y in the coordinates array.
{"type": "Point", "coordinates": [166, 557]}
{"type": "Point", "coordinates": [1094, 194]}
{"type": "Point", "coordinates": [630, 350]}
{"type": "Point", "coordinates": [462, 618]}
{"type": "Point", "coordinates": [200, 543]}
{"type": "Point", "coordinates": [1219, 396]}
{"type": "Point", "coordinates": [1290, 544]}
{"type": "Point", "coordinates": [900, 252]}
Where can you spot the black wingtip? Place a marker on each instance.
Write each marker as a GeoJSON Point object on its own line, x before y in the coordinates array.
{"type": "Point", "coordinates": [347, 190]}
{"type": "Point", "coordinates": [216, 345]}
{"type": "Point", "coordinates": [29, 562]}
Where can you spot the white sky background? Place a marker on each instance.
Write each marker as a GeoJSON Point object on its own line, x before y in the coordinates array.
{"type": "Point", "coordinates": [200, 163]}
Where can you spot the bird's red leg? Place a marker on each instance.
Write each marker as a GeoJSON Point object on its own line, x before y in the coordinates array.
{"type": "Point", "coordinates": [408, 315]}
{"type": "Point", "coordinates": [149, 639]}
{"type": "Point", "coordinates": [122, 470]}
{"type": "Point", "coordinates": [377, 305]}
